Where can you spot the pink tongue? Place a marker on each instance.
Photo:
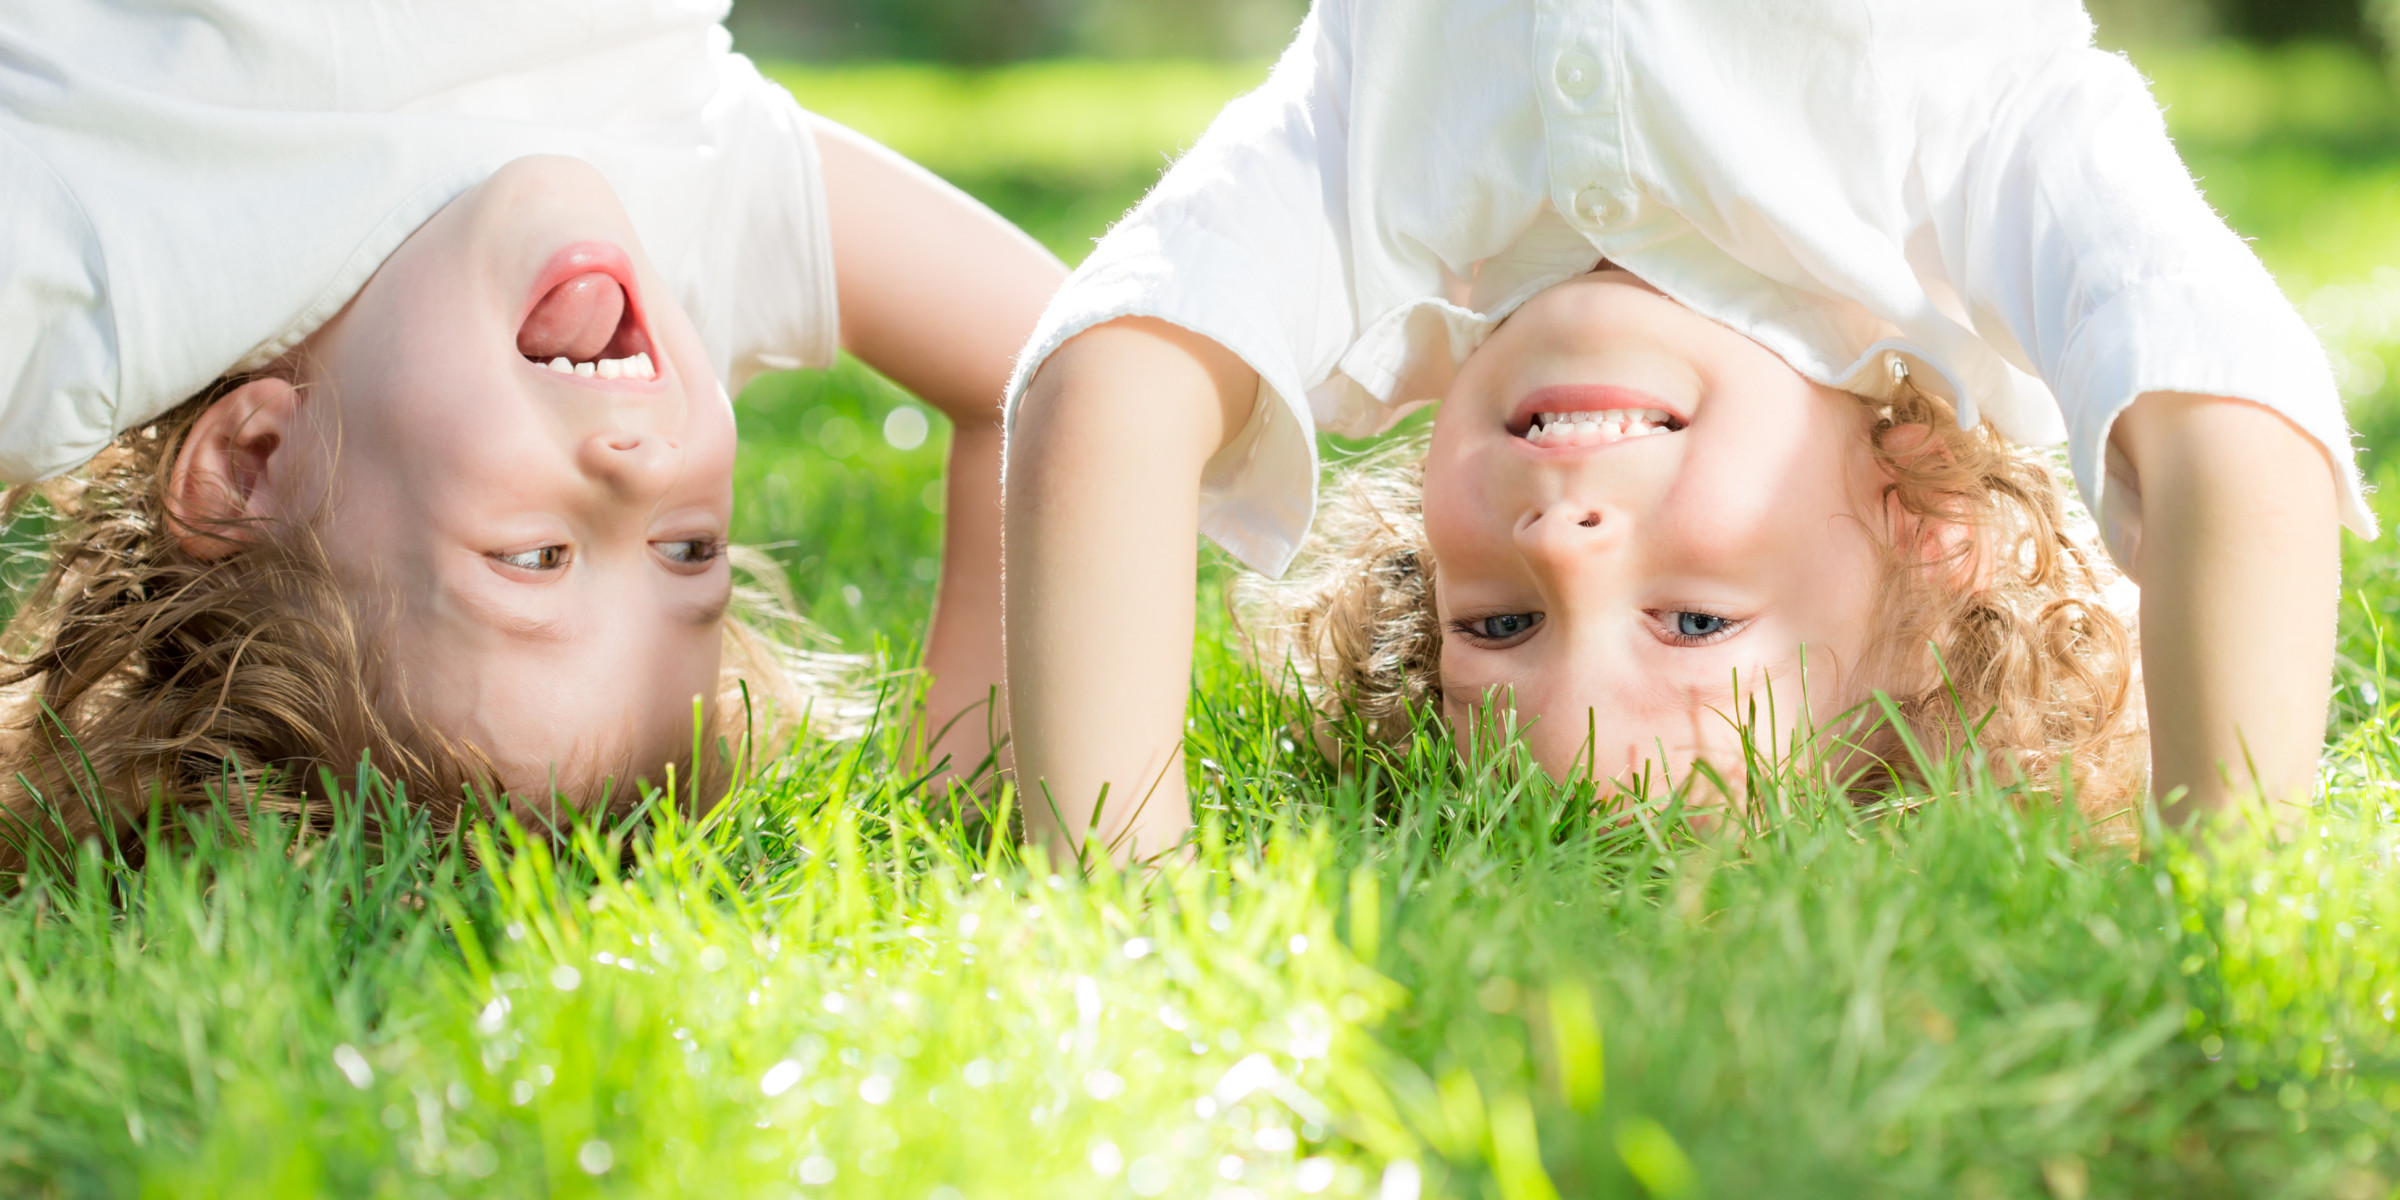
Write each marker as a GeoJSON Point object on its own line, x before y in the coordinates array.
{"type": "Point", "coordinates": [575, 321]}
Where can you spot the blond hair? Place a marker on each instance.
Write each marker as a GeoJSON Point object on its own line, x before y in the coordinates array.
{"type": "Point", "coordinates": [1994, 614]}
{"type": "Point", "coordinates": [137, 675]}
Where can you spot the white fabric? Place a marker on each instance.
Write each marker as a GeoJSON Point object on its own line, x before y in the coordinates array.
{"type": "Point", "coordinates": [190, 187]}
{"type": "Point", "coordinates": [1966, 186]}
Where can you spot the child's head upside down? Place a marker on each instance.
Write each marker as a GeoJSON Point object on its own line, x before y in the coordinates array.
{"type": "Point", "coordinates": [473, 530]}
{"type": "Point", "coordinates": [1641, 527]}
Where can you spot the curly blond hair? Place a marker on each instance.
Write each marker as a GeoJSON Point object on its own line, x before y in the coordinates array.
{"type": "Point", "coordinates": [138, 676]}
{"type": "Point", "coordinates": [1996, 610]}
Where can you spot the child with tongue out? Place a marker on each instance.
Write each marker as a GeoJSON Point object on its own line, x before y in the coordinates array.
{"type": "Point", "coordinates": [378, 363]}
{"type": "Point", "coordinates": [1741, 316]}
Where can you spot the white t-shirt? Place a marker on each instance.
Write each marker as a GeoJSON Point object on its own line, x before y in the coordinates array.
{"type": "Point", "coordinates": [190, 188]}
{"type": "Point", "coordinates": [1966, 187]}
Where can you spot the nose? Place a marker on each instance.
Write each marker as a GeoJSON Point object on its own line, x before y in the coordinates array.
{"type": "Point", "coordinates": [1558, 536]}
{"type": "Point", "coordinates": [633, 467]}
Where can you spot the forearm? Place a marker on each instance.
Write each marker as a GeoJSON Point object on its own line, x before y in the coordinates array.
{"type": "Point", "coordinates": [962, 648]}
{"type": "Point", "coordinates": [2241, 574]}
{"type": "Point", "coordinates": [938, 293]}
{"type": "Point", "coordinates": [1102, 518]}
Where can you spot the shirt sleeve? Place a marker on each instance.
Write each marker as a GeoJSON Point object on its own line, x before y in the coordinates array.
{"type": "Point", "coordinates": [1242, 243]}
{"type": "Point", "coordinates": [2086, 252]}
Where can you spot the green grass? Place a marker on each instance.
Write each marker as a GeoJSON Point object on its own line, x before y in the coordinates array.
{"type": "Point", "coordinates": [1421, 979]}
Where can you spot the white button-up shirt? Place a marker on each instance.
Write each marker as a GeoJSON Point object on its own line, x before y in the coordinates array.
{"type": "Point", "coordinates": [1967, 189]}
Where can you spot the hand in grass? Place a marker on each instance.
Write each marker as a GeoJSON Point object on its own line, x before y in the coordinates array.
{"type": "Point", "coordinates": [938, 293]}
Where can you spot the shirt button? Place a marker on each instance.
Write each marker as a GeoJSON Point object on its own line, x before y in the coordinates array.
{"type": "Point", "coordinates": [1597, 206]}
{"type": "Point", "coordinates": [1578, 74]}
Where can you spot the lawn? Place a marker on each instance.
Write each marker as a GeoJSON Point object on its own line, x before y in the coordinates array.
{"type": "Point", "coordinates": [1419, 980]}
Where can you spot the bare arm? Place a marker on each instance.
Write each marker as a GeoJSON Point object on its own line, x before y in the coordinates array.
{"type": "Point", "coordinates": [2241, 575]}
{"type": "Point", "coordinates": [939, 293]}
{"type": "Point", "coordinates": [1103, 517]}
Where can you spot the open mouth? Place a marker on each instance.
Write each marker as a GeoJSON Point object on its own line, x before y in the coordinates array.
{"type": "Point", "coordinates": [1598, 427]}
{"type": "Point", "coordinates": [585, 322]}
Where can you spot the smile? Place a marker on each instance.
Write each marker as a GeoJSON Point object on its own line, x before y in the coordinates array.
{"type": "Point", "coordinates": [637, 367]}
{"type": "Point", "coordinates": [1598, 427]}
{"type": "Point", "coordinates": [583, 318]}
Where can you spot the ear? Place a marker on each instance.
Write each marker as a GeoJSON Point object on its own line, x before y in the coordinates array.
{"type": "Point", "coordinates": [235, 466]}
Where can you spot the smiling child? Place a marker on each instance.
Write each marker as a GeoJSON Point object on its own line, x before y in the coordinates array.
{"type": "Point", "coordinates": [1741, 316]}
{"type": "Point", "coordinates": [378, 358]}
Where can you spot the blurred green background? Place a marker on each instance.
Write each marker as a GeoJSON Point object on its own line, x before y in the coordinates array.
{"type": "Point", "coordinates": [991, 31]}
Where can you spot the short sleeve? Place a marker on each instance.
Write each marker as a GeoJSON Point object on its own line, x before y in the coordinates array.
{"type": "Point", "coordinates": [57, 329]}
{"type": "Point", "coordinates": [1241, 243]}
{"type": "Point", "coordinates": [2082, 235]}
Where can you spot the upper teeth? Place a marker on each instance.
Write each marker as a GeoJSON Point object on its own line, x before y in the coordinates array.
{"type": "Point", "coordinates": [1605, 425]}
{"type": "Point", "coordinates": [638, 366]}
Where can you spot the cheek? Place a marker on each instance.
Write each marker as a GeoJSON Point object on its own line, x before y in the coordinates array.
{"type": "Point", "coordinates": [1462, 521]}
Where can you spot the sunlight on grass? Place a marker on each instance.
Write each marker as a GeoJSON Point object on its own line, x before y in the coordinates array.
{"type": "Point", "coordinates": [1419, 978]}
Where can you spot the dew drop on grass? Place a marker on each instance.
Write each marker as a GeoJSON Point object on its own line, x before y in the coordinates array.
{"type": "Point", "coordinates": [596, 1157]}
{"type": "Point", "coordinates": [1106, 1159]}
{"type": "Point", "coordinates": [353, 1065]}
{"type": "Point", "coordinates": [1137, 947]}
{"type": "Point", "coordinates": [1313, 1175]}
{"type": "Point", "coordinates": [1401, 1181]}
{"type": "Point", "coordinates": [905, 427]}
{"type": "Point", "coordinates": [839, 437]}
{"type": "Point", "coordinates": [520, 1093]}
{"type": "Point", "coordinates": [816, 1168]}
{"type": "Point", "coordinates": [1148, 1176]}
{"type": "Point", "coordinates": [1104, 1084]}
{"type": "Point", "coordinates": [712, 958]}
{"type": "Point", "coordinates": [479, 1160]}
{"type": "Point", "coordinates": [780, 1078]}
{"type": "Point", "coordinates": [1219, 922]}
{"type": "Point", "coordinates": [1229, 1167]}
{"type": "Point", "coordinates": [977, 1073]}
{"type": "Point", "coordinates": [1299, 943]}
{"type": "Point", "coordinates": [875, 1089]}
{"type": "Point", "coordinates": [565, 978]}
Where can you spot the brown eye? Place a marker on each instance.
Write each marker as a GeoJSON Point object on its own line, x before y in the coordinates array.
{"type": "Point", "coordinates": [542, 558]}
{"type": "Point", "coordinates": [690, 552]}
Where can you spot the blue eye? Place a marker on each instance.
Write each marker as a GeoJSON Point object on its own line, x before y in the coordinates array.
{"type": "Point", "coordinates": [1501, 626]}
{"type": "Point", "coordinates": [1699, 625]}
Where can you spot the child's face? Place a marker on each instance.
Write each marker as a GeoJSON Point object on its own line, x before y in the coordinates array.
{"type": "Point", "coordinates": [552, 542]}
{"type": "Point", "coordinates": [1619, 584]}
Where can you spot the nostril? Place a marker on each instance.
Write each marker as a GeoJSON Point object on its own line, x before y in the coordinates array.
{"type": "Point", "coordinates": [625, 443]}
{"type": "Point", "coordinates": [1590, 521]}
